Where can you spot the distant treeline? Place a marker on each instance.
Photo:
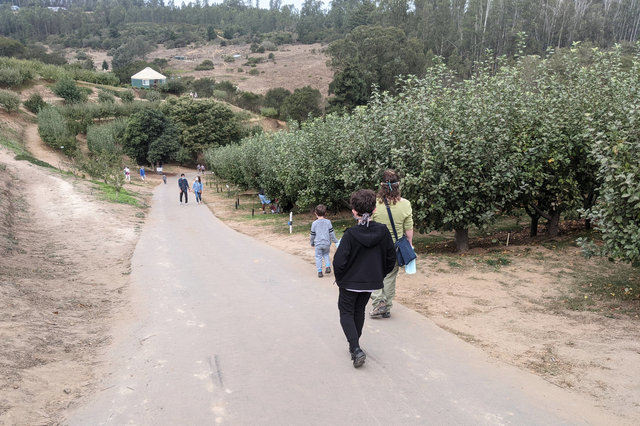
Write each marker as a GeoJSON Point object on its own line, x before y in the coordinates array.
{"type": "Point", "coordinates": [458, 30]}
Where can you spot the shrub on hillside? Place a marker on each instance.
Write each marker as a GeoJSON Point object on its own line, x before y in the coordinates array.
{"type": "Point", "coordinates": [104, 96]}
{"type": "Point", "coordinates": [14, 76]}
{"type": "Point", "coordinates": [9, 101]}
{"type": "Point", "coordinates": [106, 137]}
{"type": "Point", "coordinates": [126, 96]}
{"type": "Point", "coordinates": [35, 103]}
{"type": "Point", "coordinates": [152, 96]}
{"type": "Point", "coordinates": [53, 130]}
{"type": "Point", "coordinates": [205, 65]}
{"type": "Point", "coordinates": [175, 87]}
{"type": "Point", "coordinates": [269, 112]}
{"type": "Point", "coordinates": [203, 87]}
{"type": "Point", "coordinates": [69, 91]}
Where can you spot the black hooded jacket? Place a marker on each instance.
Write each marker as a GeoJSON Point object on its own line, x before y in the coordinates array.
{"type": "Point", "coordinates": [364, 257]}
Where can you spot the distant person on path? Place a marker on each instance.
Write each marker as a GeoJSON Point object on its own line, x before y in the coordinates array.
{"type": "Point", "coordinates": [164, 178]}
{"type": "Point", "coordinates": [183, 184]}
{"type": "Point", "coordinates": [142, 173]}
{"type": "Point", "coordinates": [198, 168]}
{"type": "Point", "coordinates": [321, 237]}
{"type": "Point", "coordinates": [197, 189]}
{"type": "Point", "coordinates": [389, 194]}
{"type": "Point", "coordinates": [202, 168]}
{"type": "Point", "coordinates": [263, 200]}
{"type": "Point", "coordinates": [366, 254]}
{"type": "Point", "coordinates": [127, 174]}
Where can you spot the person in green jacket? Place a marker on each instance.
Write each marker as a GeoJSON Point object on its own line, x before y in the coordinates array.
{"type": "Point", "coordinates": [389, 193]}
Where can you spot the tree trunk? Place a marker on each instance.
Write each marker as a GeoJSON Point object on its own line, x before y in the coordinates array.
{"type": "Point", "coordinates": [587, 224]}
{"type": "Point", "coordinates": [462, 240]}
{"type": "Point", "coordinates": [552, 227]}
{"type": "Point", "coordinates": [534, 225]}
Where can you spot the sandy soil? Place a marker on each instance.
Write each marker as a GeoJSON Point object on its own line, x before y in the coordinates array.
{"type": "Point", "coordinates": [65, 264]}
{"type": "Point", "coordinates": [515, 313]}
{"type": "Point", "coordinates": [294, 66]}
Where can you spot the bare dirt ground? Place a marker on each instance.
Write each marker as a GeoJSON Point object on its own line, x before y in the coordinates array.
{"type": "Point", "coordinates": [518, 313]}
{"type": "Point", "coordinates": [65, 257]}
{"type": "Point", "coordinates": [293, 67]}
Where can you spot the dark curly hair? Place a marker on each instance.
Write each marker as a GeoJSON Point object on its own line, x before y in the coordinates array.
{"type": "Point", "coordinates": [363, 201]}
{"type": "Point", "coordinates": [389, 186]}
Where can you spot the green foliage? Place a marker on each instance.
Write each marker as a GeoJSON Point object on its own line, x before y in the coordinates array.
{"type": "Point", "coordinates": [53, 130]}
{"type": "Point", "coordinates": [67, 89]}
{"type": "Point", "coordinates": [269, 112]}
{"type": "Point", "coordinates": [14, 76]}
{"type": "Point", "coordinates": [372, 55]}
{"type": "Point", "coordinates": [203, 87]}
{"type": "Point", "coordinates": [207, 64]}
{"type": "Point", "coordinates": [9, 101]}
{"type": "Point", "coordinates": [152, 95]}
{"type": "Point", "coordinates": [302, 104]}
{"type": "Point", "coordinates": [274, 98]}
{"type": "Point", "coordinates": [527, 134]}
{"type": "Point", "coordinates": [106, 137]}
{"type": "Point", "coordinates": [149, 128]}
{"type": "Point", "coordinates": [203, 123]}
{"type": "Point", "coordinates": [350, 90]}
{"type": "Point", "coordinates": [33, 160]}
{"type": "Point", "coordinates": [35, 103]}
{"type": "Point", "coordinates": [105, 65]}
{"type": "Point", "coordinates": [126, 96]}
{"type": "Point", "coordinates": [616, 152]}
{"type": "Point", "coordinates": [249, 101]}
{"type": "Point", "coordinates": [211, 33]}
{"type": "Point", "coordinates": [10, 47]}
{"type": "Point", "coordinates": [176, 86]}
{"type": "Point", "coordinates": [104, 96]}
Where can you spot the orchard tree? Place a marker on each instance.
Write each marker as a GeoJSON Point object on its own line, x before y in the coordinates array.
{"type": "Point", "coordinates": [616, 215]}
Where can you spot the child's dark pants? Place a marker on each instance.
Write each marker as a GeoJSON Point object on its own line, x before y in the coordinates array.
{"type": "Point", "coordinates": [186, 196]}
{"type": "Point", "coordinates": [352, 307]}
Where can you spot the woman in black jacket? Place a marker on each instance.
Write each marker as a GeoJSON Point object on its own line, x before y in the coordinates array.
{"type": "Point", "coordinates": [363, 258]}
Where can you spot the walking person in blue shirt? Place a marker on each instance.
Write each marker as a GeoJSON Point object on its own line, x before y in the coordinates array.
{"type": "Point", "coordinates": [183, 184]}
{"type": "Point", "coordinates": [197, 189]}
{"type": "Point", "coordinates": [321, 237]}
{"type": "Point", "coordinates": [142, 173]}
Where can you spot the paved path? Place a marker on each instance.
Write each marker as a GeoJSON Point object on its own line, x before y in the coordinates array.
{"type": "Point", "coordinates": [231, 331]}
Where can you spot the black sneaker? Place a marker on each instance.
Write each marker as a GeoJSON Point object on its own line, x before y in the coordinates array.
{"type": "Point", "coordinates": [328, 270]}
{"type": "Point", "coordinates": [358, 357]}
{"type": "Point", "coordinates": [320, 274]}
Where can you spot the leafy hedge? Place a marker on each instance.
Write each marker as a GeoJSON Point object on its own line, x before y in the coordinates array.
{"type": "Point", "coordinates": [525, 135]}
{"type": "Point", "coordinates": [9, 101]}
{"type": "Point", "coordinates": [54, 131]}
{"type": "Point", "coordinates": [16, 72]}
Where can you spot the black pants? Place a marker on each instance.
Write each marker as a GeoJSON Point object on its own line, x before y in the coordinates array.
{"type": "Point", "coordinates": [186, 196]}
{"type": "Point", "coordinates": [352, 307]}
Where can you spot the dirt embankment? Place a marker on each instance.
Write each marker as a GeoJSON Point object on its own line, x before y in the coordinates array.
{"type": "Point", "coordinates": [64, 270]}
